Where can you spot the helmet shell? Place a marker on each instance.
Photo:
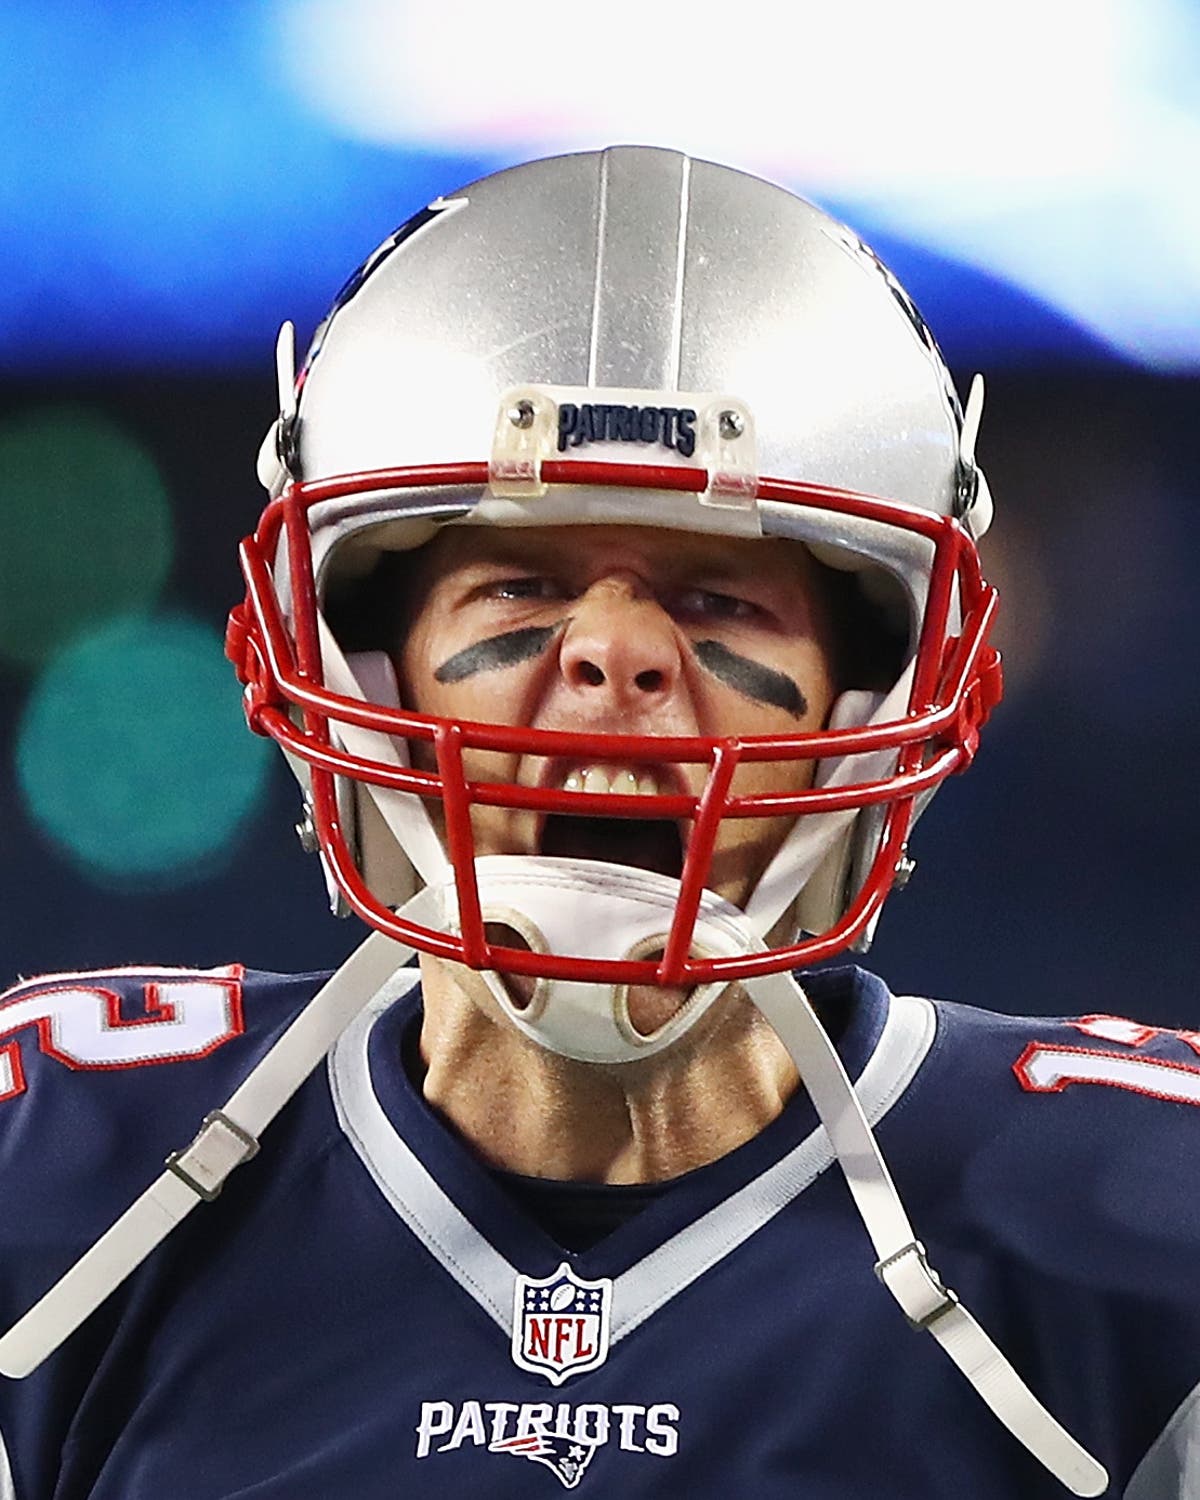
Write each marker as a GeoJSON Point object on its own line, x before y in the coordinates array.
{"type": "Point", "coordinates": [633, 267]}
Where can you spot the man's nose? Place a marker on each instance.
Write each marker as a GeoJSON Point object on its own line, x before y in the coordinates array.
{"type": "Point", "coordinates": [620, 641]}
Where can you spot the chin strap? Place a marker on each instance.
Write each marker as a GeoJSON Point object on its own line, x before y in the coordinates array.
{"type": "Point", "coordinates": [228, 1137]}
{"type": "Point", "coordinates": [901, 1264]}
{"type": "Point", "coordinates": [596, 910]}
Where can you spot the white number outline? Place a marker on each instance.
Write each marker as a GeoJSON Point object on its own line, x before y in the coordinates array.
{"type": "Point", "coordinates": [41, 1004]}
{"type": "Point", "coordinates": [1052, 1067]}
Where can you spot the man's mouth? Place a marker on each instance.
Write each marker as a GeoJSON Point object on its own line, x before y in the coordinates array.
{"type": "Point", "coordinates": [647, 843]}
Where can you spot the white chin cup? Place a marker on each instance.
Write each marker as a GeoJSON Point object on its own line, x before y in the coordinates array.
{"type": "Point", "coordinates": [590, 909]}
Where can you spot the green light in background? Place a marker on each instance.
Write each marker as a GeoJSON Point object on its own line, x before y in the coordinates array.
{"type": "Point", "coordinates": [132, 753]}
{"type": "Point", "coordinates": [85, 528]}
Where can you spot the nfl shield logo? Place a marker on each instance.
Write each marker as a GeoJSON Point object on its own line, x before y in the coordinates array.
{"type": "Point", "coordinates": [560, 1325]}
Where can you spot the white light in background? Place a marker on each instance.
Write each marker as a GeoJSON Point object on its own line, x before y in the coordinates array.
{"type": "Point", "coordinates": [1055, 143]}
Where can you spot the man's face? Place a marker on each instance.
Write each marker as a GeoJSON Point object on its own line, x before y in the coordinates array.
{"type": "Point", "coordinates": [620, 630]}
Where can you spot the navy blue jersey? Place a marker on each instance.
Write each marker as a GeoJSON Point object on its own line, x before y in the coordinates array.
{"type": "Point", "coordinates": [364, 1311]}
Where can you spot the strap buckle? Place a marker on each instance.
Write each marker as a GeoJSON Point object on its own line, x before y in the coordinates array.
{"type": "Point", "coordinates": [922, 1294]}
{"type": "Point", "coordinates": [212, 1155]}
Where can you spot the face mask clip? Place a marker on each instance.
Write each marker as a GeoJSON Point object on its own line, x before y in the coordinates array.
{"type": "Point", "coordinates": [277, 457]}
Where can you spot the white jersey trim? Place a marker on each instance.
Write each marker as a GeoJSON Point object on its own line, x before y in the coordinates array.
{"type": "Point", "coordinates": [907, 1036]}
{"type": "Point", "coordinates": [441, 1227]}
{"type": "Point", "coordinates": [1171, 1468]}
{"type": "Point", "coordinates": [647, 1286]}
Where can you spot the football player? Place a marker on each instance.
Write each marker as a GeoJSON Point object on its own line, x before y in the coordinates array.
{"type": "Point", "coordinates": [617, 605]}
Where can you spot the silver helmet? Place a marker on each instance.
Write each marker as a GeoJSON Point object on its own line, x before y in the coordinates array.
{"type": "Point", "coordinates": [622, 336]}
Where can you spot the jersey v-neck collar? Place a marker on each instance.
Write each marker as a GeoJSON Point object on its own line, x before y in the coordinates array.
{"type": "Point", "coordinates": [450, 1201]}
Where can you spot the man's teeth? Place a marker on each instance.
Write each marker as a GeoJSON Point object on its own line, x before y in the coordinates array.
{"type": "Point", "coordinates": [599, 779]}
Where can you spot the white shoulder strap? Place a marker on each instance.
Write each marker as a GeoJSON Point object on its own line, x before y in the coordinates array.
{"type": "Point", "coordinates": [901, 1265]}
{"type": "Point", "coordinates": [227, 1138]}
{"type": "Point", "coordinates": [8, 1490]}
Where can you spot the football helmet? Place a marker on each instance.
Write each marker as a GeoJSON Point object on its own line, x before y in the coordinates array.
{"type": "Point", "coordinates": [623, 336]}
{"type": "Point", "coordinates": [636, 338]}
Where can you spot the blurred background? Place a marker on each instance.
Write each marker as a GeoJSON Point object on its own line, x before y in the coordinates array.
{"type": "Point", "coordinates": [176, 179]}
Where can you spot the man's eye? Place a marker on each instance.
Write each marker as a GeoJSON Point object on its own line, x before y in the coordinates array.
{"type": "Point", "coordinates": [532, 587]}
{"type": "Point", "coordinates": [708, 604]}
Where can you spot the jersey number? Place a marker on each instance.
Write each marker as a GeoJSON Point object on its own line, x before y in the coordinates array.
{"type": "Point", "coordinates": [82, 1026]}
{"type": "Point", "coordinates": [1050, 1067]}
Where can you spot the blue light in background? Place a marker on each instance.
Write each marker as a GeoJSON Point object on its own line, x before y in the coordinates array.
{"type": "Point", "coordinates": [163, 202]}
{"type": "Point", "coordinates": [86, 528]}
{"type": "Point", "coordinates": [132, 755]}
{"type": "Point", "coordinates": [178, 178]}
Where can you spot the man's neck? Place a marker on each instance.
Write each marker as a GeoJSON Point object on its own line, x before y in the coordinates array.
{"type": "Point", "coordinates": [529, 1110]}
